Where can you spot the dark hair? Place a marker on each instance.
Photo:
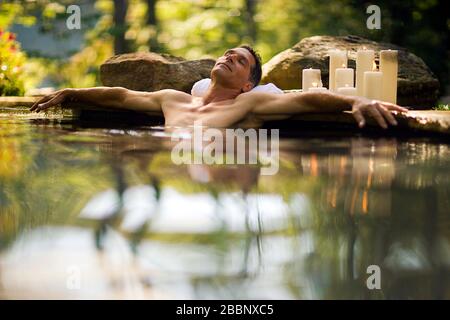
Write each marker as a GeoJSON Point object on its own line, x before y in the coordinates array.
{"type": "Point", "coordinates": [255, 71]}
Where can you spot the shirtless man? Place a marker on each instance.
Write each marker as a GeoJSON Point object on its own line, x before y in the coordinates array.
{"type": "Point", "coordinates": [228, 101]}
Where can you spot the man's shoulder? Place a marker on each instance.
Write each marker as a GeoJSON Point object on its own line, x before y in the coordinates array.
{"type": "Point", "coordinates": [168, 96]}
{"type": "Point", "coordinates": [256, 97]}
{"type": "Point", "coordinates": [172, 94]}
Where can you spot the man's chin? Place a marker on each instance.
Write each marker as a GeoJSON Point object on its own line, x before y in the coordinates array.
{"type": "Point", "coordinates": [219, 69]}
{"type": "Point", "coordinates": [220, 74]}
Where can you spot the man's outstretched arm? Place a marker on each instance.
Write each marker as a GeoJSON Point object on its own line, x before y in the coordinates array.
{"type": "Point", "coordinates": [108, 97]}
{"type": "Point", "coordinates": [270, 106]}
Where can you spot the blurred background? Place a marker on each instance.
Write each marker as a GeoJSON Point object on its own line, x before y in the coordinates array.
{"type": "Point", "coordinates": [106, 201]}
{"type": "Point", "coordinates": [38, 50]}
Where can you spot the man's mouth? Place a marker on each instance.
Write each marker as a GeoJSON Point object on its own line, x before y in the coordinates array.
{"type": "Point", "coordinates": [225, 65]}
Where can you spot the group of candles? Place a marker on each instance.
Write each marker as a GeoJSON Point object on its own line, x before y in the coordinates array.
{"type": "Point", "coordinates": [370, 83]}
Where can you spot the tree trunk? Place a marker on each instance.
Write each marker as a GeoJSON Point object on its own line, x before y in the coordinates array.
{"type": "Point", "coordinates": [250, 7]}
{"type": "Point", "coordinates": [152, 21]}
{"type": "Point", "coordinates": [120, 12]}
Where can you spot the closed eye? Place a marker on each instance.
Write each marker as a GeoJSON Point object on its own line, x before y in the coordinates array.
{"type": "Point", "coordinates": [241, 60]}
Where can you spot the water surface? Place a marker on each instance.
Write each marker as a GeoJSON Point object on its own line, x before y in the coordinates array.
{"type": "Point", "coordinates": [91, 212]}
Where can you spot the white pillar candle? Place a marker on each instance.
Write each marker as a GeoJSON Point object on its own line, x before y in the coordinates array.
{"type": "Point", "coordinates": [317, 89]}
{"type": "Point", "coordinates": [343, 77]}
{"type": "Point", "coordinates": [310, 78]}
{"type": "Point", "coordinates": [338, 59]}
{"type": "Point", "coordinates": [389, 68]}
{"type": "Point", "coordinates": [348, 91]}
{"type": "Point", "coordinates": [373, 85]}
{"type": "Point", "coordinates": [364, 62]}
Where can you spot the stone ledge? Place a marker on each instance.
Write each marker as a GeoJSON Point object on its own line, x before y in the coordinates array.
{"type": "Point", "coordinates": [418, 120]}
{"type": "Point", "coordinates": [9, 102]}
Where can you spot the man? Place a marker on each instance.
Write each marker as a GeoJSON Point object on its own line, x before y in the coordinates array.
{"type": "Point", "coordinates": [228, 101]}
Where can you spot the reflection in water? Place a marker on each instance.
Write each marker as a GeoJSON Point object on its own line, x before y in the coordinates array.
{"type": "Point", "coordinates": [104, 213]}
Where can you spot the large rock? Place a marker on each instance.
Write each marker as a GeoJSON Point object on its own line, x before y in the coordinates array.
{"type": "Point", "coordinates": [148, 71]}
{"type": "Point", "coordinates": [417, 86]}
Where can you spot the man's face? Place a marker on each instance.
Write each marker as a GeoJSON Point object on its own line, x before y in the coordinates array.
{"type": "Point", "coordinates": [233, 69]}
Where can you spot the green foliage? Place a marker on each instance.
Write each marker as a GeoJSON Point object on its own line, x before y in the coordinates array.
{"type": "Point", "coordinates": [423, 28]}
{"type": "Point", "coordinates": [442, 107]}
{"type": "Point", "coordinates": [14, 13]}
{"type": "Point", "coordinates": [11, 65]}
{"type": "Point", "coordinates": [204, 28]}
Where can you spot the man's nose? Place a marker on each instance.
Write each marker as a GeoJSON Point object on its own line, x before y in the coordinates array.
{"type": "Point", "coordinates": [231, 57]}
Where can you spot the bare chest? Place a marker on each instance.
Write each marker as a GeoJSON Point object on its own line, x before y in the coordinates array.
{"type": "Point", "coordinates": [219, 115]}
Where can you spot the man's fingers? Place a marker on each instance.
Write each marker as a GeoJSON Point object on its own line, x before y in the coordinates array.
{"type": "Point", "coordinates": [398, 108]}
{"type": "Point", "coordinates": [382, 112]}
{"type": "Point", "coordinates": [378, 117]}
{"type": "Point", "coordinates": [388, 115]}
{"type": "Point", "coordinates": [394, 107]}
{"type": "Point", "coordinates": [56, 100]}
{"type": "Point", "coordinates": [42, 100]}
{"type": "Point", "coordinates": [359, 118]}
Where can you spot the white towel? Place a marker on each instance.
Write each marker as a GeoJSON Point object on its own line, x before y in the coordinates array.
{"type": "Point", "coordinates": [200, 87]}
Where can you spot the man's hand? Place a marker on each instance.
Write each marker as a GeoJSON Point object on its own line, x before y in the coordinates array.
{"type": "Point", "coordinates": [51, 100]}
{"type": "Point", "coordinates": [379, 110]}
